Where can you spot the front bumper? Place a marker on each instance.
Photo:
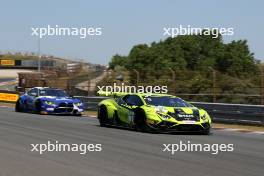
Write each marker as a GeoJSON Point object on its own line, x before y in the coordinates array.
{"type": "Point", "coordinates": [70, 110]}
{"type": "Point", "coordinates": [185, 127]}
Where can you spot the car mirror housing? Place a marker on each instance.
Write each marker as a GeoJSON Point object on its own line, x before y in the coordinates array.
{"type": "Point", "coordinates": [33, 94]}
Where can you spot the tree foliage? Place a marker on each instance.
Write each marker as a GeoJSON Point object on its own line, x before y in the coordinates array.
{"type": "Point", "coordinates": [191, 52]}
{"type": "Point", "coordinates": [193, 57]}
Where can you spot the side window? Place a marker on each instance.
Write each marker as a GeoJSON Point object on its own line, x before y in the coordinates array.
{"type": "Point", "coordinates": [120, 100]}
{"type": "Point", "coordinates": [138, 101]}
{"type": "Point", "coordinates": [133, 100]}
{"type": "Point", "coordinates": [33, 92]}
{"type": "Point", "coordinates": [125, 99]}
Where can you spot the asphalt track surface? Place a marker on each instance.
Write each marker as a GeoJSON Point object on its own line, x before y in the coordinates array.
{"type": "Point", "coordinates": [125, 152]}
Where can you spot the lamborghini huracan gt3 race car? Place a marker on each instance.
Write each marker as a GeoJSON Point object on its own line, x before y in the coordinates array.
{"type": "Point", "coordinates": [45, 100]}
{"type": "Point", "coordinates": [153, 112]}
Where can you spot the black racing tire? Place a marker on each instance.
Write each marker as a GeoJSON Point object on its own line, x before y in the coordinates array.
{"type": "Point", "coordinates": [140, 120]}
{"type": "Point", "coordinates": [18, 107]}
{"type": "Point", "coordinates": [207, 131]}
{"type": "Point", "coordinates": [115, 120]}
{"type": "Point", "coordinates": [38, 107]}
{"type": "Point", "coordinates": [102, 116]}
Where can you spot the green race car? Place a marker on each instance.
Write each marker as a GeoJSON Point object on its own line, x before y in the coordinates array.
{"type": "Point", "coordinates": [153, 112]}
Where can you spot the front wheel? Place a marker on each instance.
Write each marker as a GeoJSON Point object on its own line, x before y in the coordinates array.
{"type": "Point", "coordinates": [38, 107]}
{"type": "Point", "coordinates": [207, 131]}
{"type": "Point", "coordinates": [18, 107]}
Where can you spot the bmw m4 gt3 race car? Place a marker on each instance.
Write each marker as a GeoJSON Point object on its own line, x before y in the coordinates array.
{"type": "Point", "coordinates": [153, 112]}
{"type": "Point", "coordinates": [44, 100]}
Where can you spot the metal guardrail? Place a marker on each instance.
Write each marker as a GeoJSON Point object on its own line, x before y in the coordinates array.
{"type": "Point", "coordinates": [234, 113]}
{"type": "Point", "coordinates": [220, 112]}
{"type": "Point", "coordinates": [91, 103]}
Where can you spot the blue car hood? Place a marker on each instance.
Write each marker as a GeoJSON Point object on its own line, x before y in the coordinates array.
{"type": "Point", "coordinates": [59, 99]}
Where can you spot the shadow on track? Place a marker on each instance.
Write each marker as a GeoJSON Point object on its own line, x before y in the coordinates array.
{"type": "Point", "coordinates": [155, 132]}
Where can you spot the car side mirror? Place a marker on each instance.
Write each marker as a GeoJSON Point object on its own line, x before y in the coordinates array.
{"type": "Point", "coordinates": [33, 94]}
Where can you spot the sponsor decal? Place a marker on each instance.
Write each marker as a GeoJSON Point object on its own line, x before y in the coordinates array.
{"type": "Point", "coordinates": [185, 115]}
{"type": "Point", "coordinates": [7, 62]}
{"type": "Point", "coordinates": [8, 97]}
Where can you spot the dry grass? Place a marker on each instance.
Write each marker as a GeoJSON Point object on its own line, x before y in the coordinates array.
{"type": "Point", "coordinates": [240, 127]}
{"type": "Point", "coordinates": [91, 113]}
{"type": "Point", "coordinates": [11, 105]}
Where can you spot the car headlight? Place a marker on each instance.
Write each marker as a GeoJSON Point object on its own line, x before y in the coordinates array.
{"type": "Point", "coordinates": [78, 104]}
{"type": "Point", "coordinates": [161, 109]}
{"type": "Point", "coordinates": [49, 102]}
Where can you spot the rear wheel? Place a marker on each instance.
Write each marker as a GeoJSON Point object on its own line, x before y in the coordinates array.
{"type": "Point", "coordinates": [102, 116]}
{"type": "Point", "coordinates": [140, 120]}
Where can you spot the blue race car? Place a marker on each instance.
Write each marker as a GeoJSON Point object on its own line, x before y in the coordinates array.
{"type": "Point", "coordinates": [45, 100]}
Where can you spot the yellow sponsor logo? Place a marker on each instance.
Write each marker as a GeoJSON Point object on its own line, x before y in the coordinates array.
{"type": "Point", "coordinates": [8, 62]}
{"type": "Point", "coordinates": [8, 97]}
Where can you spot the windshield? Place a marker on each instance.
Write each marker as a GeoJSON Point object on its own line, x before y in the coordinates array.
{"type": "Point", "coordinates": [53, 92]}
{"type": "Point", "coordinates": [166, 101]}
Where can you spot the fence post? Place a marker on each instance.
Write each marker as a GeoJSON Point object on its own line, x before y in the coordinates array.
{"type": "Point", "coordinates": [113, 76]}
{"type": "Point", "coordinates": [173, 81]}
{"type": "Point", "coordinates": [262, 85]}
{"type": "Point", "coordinates": [137, 73]}
{"type": "Point", "coordinates": [88, 87]}
{"type": "Point", "coordinates": [214, 83]}
{"type": "Point", "coordinates": [68, 86]}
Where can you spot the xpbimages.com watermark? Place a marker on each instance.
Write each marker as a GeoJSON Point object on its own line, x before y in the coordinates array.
{"type": "Point", "coordinates": [81, 32]}
{"type": "Point", "coordinates": [62, 147]}
{"type": "Point", "coordinates": [122, 88]}
{"type": "Point", "coordinates": [189, 30]}
{"type": "Point", "coordinates": [192, 147]}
